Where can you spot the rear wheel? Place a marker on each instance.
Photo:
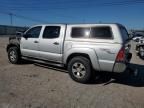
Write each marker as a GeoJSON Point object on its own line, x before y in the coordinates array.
{"type": "Point", "coordinates": [80, 69]}
{"type": "Point", "coordinates": [13, 55]}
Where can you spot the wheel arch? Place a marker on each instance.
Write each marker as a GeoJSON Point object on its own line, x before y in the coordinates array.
{"type": "Point", "coordinates": [12, 45]}
{"type": "Point", "coordinates": [84, 52]}
{"type": "Point", "coordinates": [77, 54]}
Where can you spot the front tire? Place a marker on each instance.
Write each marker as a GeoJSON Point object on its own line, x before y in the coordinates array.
{"type": "Point", "coordinates": [80, 69]}
{"type": "Point", "coordinates": [14, 55]}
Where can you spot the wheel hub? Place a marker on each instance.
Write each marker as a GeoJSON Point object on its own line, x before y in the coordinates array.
{"type": "Point", "coordinates": [78, 70]}
{"type": "Point", "coordinates": [12, 55]}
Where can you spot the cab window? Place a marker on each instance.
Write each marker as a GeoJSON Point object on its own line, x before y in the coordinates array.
{"type": "Point", "coordinates": [34, 32]}
{"type": "Point", "coordinates": [51, 32]}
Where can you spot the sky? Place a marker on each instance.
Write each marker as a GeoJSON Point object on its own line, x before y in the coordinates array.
{"type": "Point", "coordinates": [130, 13]}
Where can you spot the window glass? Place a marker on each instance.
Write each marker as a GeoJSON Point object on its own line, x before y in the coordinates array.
{"type": "Point", "coordinates": [79, 32]}
{"type": "Point", "coordinates": [124, 33]}
{"type": "Point", "coordinates": [51, 32]}
{"type": "Point", "coordinates": [34, 32]}
{"type": "Point", "coordinates": [101, 32]}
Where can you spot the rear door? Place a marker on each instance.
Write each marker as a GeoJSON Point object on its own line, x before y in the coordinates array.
{"type": "Point", "coordinates": [51, 43]}
{"type": "Point", "coordinates": [29, 45]}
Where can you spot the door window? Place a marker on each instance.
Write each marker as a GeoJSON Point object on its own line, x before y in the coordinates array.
{"type": "Point", "coordinates": [51, 32]}
{"type": "Point", "coordinates": [34, 32]}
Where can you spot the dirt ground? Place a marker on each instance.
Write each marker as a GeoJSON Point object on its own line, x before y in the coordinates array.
{"type": "Point", "coordinates": [33, 86]}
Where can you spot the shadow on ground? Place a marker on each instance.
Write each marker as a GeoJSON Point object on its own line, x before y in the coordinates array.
{"type": "Point", "coordinates": [105, 78]}
{"type": "Point", "coordinates": [125, 78]}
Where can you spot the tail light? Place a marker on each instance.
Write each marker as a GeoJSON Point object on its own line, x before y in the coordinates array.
{"type": "Point", "coordinates": [121, 55]}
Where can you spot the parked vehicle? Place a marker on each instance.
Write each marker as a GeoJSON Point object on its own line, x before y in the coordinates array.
{"type": "Point", "coordinates": [140, 48]}
{"type": "Point", "coordinates": [137, 37]}
{"type": "Point", "coordinates": [81, 48]}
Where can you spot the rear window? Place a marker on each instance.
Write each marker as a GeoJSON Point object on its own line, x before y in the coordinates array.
{"type": "Point", "coordinates": [101, 32]}
{"type": "Point", "coordinates": [124, 33]}
{"type": "Point", "coordinates": [80, 32]}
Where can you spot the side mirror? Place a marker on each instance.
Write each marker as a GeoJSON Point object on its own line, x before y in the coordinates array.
{"type": "Point", "coordinates": [19, 34]}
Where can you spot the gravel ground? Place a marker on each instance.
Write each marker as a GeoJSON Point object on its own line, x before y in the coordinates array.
{"type": "Point", "coordinates": [31, 86]}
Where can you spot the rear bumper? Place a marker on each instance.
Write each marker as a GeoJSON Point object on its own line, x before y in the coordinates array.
{"type": "Point", "coordinates": [122, 66]}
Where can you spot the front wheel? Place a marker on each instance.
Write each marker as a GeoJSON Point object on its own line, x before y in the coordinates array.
{"type": "Point", "coordinates": [80, 69]}
{"type": "Point", "coordinates": [13, 55]}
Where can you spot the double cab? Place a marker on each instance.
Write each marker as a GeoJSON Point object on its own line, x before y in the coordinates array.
{"type": "Point", "coordinates": [83, 49]}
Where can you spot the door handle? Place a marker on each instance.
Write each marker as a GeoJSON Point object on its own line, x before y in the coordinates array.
{"type": "Point", "coordinates": [36, 42]}
{"type": "Point", "coordinates": [56, 43]}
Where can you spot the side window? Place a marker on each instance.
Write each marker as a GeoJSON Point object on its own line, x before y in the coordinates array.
{"type": "Point", "coordinates": [51, 32]}
{"type": "Point", "coordinates": [34, 32]}
{"type": "Point", "coordinates": [101, 32]}
{"type": "Point", "coordinates": [80, 32]}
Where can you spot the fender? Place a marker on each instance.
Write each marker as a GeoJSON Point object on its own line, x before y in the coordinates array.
{"type": "Point", "coordinates": [11, 45]}
{"type": "Point", "coordinates": [89, 51]}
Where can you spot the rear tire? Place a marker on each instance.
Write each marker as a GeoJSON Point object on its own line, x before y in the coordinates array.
{"type": "Point", "coordinates": [14, 55]}
{"type": "Point", "coordinates": [80, 69]}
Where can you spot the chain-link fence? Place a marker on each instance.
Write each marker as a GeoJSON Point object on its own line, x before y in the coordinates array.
{"type": "Point", "coordinates": [11, 30]}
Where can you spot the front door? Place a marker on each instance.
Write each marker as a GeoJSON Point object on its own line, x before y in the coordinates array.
{"type": "Point", "coordinates": [29, 44]}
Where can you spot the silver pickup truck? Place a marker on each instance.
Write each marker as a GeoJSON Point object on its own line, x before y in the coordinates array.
{"type": "Point", "coordinates": [82, 48]}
